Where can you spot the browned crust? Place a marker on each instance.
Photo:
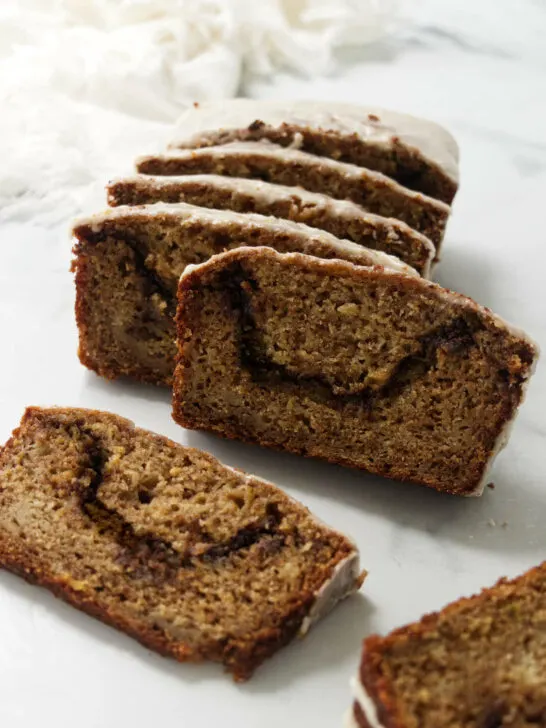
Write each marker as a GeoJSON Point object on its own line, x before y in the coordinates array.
{"type": "Point", "coordinates": [378, 686]}
{"type": "Point", "coordinates": [81, 267]}
{"type": "Point", "coordinates": [23, 566]}
{"type": "Point", "coordinates": [180, 417]}
{"type": "Point", "coordinates": [241, 660]}
{"type": "Point", "coordinates": [204, 273]}
{"type": "Point", "coordinates": [360, 717]}
{"type": "Point", "coordinates": [402, 162]}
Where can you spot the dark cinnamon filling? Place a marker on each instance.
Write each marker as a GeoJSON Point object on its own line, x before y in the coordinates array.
{"type": "Point", "coordinates": [148, 557]}
{"type": "Point", "coordinates": [456, 337]}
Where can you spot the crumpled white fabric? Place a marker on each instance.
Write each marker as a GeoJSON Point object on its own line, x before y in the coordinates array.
{"type": "Point", "coordinates": [87, 86]}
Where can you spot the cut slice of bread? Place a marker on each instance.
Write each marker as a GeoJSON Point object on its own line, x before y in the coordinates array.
{"type": "Point", "coordinates": [371, 190]}
{"type": "Point", "coordinates": [360, 366]}
{"type": "Point", "coordinates": [479, 663]}
{"type": "Point", "coordinates": [193, 559]}
{"type": "Point", "coordinates": [418, 153]}
{"type": "Point", "coordinates": [341, 218]}
{"type": "Point", "coordinates": [128, 262]}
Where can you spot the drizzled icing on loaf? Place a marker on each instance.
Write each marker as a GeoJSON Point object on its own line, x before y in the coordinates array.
{"type": "Point", "coordinates": [372, 124]}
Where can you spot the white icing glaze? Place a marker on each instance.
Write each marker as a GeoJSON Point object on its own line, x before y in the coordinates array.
{"type": "Point", "coordinates": [349, 720]}
{"type": "Point", "coordinates": [366, 704]}
{"type": "Point", "coordinates": [184, 212]}
{"type": "Point", "coordinates": [267, 192]}
{"type": "Point", "coordinates": [371, 124]}
{"type": "Point", "coordinates": [267, 150]}
{"type": "Point", "coordinates": [504, 434]}
{"type": "Point", "coordinates": [342, 582]}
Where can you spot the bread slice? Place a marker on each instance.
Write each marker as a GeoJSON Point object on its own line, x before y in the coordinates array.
{"type": "Point", "coordinates": [479, 663]}
{"type": "Point", "coordinates": [341, 218]}
{"type": "Point", "coordinates": [128, 262]}
{"type": "Point", "coordinates": [371, 190]}
{"type": "Point", "coordinates": [359, 366]}
{"type": "Point", "coordinates": [193, 559]}
{"type": "Point", "coordinates": [416, 152]}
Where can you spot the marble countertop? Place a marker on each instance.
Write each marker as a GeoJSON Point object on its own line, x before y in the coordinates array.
{"type": "Point", "coordinates": [480, 69]}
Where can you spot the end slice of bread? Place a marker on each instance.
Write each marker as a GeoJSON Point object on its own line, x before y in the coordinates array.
{"type": "Point", "coordinates": [478, 663]}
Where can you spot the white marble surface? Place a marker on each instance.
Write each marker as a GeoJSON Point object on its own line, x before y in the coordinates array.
{"type": "Point", "coordinates": [479, 68]}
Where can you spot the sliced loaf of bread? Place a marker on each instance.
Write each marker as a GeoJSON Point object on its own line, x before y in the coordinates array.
{"type": "Point", "coordinates": [373, 191]}
{"type": "Point", "coordinates": [416, 152]}
{"type": "Point", "coordinates": [341, 218]}
{"type": "Point", "coordinates": [128, 262]}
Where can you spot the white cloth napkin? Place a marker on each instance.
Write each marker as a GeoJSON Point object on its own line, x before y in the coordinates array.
{"type": "Point", "coordinates": [87, 86]}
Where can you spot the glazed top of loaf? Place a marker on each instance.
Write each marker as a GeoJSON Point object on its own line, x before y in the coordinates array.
{"type": "Point", "coordinates": [268, 192]}
{"type": "Point", "coordinates": [268, 151]}
{"type": "Point", "coordinates": [212, 217]}
{"type": "Point", "coordinates": [373, 124]}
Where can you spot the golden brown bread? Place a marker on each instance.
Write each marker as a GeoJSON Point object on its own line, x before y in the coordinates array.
{"type": "Point", "coordinates": [478, 663]}
{"type": "Point", "coordinates": [359, 366]}
{"type": "Point", "coordinates": [128, 262]}
{"type": "Point", "coordinates": [193, 559]}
